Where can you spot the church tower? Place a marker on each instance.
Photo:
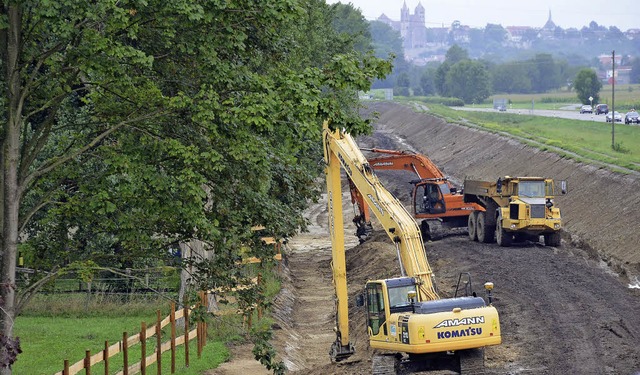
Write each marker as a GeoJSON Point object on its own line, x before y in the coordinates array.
{"type": "Point", "coordinates": [405, 23]}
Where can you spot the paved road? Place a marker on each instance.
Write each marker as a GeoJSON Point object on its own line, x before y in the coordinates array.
{"type": "Point", "coordinates": [563, 113]}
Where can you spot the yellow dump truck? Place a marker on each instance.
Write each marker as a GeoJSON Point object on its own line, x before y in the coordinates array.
{"type": "Point", "coordinates": [515, 208]}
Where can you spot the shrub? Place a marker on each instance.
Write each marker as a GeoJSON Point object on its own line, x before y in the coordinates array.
{"type": "Point", "coordinates": [450, 102]}
{"type": "Point", "coordinates": [548, 99]}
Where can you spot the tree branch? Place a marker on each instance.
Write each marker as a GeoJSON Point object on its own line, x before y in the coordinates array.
{"type": "Point", "coordinates": [28, 293]}
{"type": "Point", "coordinates": [56, 162]}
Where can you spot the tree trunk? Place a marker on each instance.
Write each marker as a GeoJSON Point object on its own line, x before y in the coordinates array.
{"type": "Point", "coordinates": [11, 187]}
{"type": "Point", "coordinates": [196, 249]}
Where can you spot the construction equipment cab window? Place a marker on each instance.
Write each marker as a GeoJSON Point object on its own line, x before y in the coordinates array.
{"type": "Point", "coordinates": [375, 303]}
{"type": "Point", "coordinates": [531, 189]}
{"type": "Point", "coordinates": [399, 298]}
{"type": "Point", "coordinates": [432, 199]}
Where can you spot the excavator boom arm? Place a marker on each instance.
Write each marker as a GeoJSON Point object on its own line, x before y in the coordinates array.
{"type": "Point", "coordinates": [341, 150]}
{"type": "Point", "coordinates": [394, 160]}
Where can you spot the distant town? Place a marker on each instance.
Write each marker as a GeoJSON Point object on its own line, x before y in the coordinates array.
{"type": "Point", "coordinates": [592, 43]}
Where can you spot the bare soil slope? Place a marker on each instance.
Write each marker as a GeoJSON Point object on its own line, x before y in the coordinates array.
{"type": "Point", "coordinates": [600, 213]}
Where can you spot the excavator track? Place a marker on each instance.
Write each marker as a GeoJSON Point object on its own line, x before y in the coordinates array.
{"type": "Point", "coordinates": [384, 364]}
{"type": "Point", "coordinates": [472, 362]}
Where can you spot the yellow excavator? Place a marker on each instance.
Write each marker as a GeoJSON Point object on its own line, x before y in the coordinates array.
{"type": "Point", "coordinates": [404, 314]}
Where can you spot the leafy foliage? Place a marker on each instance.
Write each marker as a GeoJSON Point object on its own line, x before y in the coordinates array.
{"type": "Point", "coordinates": [462, 78]}
{"type": "Point", "coordinates": [264, 352]}
{"type": "Point", "coordinates": [587, 85]}
{"type": "Point", "coordinates": [456, 54]}
{"type": "Point", "coordinates": [469, 81]}
{"type": "Point", "coordinates": [133, 126]}
{"type": "Point", "coordinates": [9, 350]}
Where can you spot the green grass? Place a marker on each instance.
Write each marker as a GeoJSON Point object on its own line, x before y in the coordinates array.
{"type": "Point", "coordinates": [582, 140]}
{"type": "Point", "coordinates": [46, 342]}
{"type": "Point", "coordinates": [626, 98]}
{"type": "Point", "coordinates": [80, 305]}
{"type": "Point", "coordinates": [56, 327]}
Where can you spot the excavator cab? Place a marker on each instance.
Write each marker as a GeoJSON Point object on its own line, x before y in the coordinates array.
{"type": "Point", "coordinates": [428, 197]}
{"type": "Point", "coordinates": [397, 295]}
{"type": "Point", "coordinates": [398, 315]}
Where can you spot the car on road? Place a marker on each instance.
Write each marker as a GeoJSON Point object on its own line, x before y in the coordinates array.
{"type": "Point", "coordinates": [586, 109]}
{"type": "Point", "coordinates": [501, 108]}
{"type": "Point", "coordinates": [602, 108]}
{"type": "Point", "coordinates": [616, 115]}
{"type": "Point", "coordinates": [632, 118]}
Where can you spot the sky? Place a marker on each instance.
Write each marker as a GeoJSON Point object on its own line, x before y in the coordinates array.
{"type": "Point", "coordinates": [625, 14]}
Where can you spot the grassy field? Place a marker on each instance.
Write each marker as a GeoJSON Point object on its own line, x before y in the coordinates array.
{"type": "Point", "coordinates": [581, 140]}
{"type": "Point", "coordinates": [63, 326]}
{"type": "Point", "coordinates": [47, 341]}
{"type": "Point", "coordinates": [626, 98]}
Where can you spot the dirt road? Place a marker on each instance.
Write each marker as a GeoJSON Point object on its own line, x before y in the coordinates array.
{"type": "Point", "coordinates": [563, 310]}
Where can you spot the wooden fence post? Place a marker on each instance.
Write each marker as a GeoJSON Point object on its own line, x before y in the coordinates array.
{"type": "Point", "coordinates": [205, 296]}
{"type": "Point", "coordinates": [259, 299]}
{"type": "Point", "coordinates": [143, 348]}
{"type": "Point", "coordinates": [125, 353]}
{"type": "Point", "coordinates": [105, 357]}
{"type": "Point", "coordinates": [66, 367]}
{"type": "Point", "coordinates": [159, 343]}
{"type": "Point", "coordinates": [198, 339]}
{"type": "Point", "coordinates": [87, 362]}
{"type": "Point", "coordinates": [172, 319]}
{"type": "Point", "coordinates": [186, 335]}
{"type": "Point", "coordinates": [198, 336]}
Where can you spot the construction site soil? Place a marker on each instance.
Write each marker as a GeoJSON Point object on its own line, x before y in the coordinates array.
{"type": "Point", "coordinates": [566, 310]}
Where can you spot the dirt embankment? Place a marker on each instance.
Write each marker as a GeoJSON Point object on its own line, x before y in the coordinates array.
{"type": "Point", "coordinates": [600, 212]}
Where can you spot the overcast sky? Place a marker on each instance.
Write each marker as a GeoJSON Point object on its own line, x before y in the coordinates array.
{"type": "Point", "coordinates": [625, 14]}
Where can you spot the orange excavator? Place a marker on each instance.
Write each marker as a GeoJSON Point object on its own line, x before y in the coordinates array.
{"type": "Point", "coordinates": [436, 200]}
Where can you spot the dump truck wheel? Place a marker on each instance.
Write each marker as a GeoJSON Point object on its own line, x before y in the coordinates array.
{"type": "Point", "coordinates": [503, 238]}
{"type": "Point", "coordinates": [472, 226]}
{"type": "Point", "coordinates": [485, 231]}
{"type": "Point", "coordinates": [552, 239]}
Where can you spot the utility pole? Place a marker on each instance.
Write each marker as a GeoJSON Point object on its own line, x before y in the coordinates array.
{"type": "Point", "coordinates": [613, 100]}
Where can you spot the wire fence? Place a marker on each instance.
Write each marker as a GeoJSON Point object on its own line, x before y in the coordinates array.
{"type": "Point", "coordinates": [116, 284]}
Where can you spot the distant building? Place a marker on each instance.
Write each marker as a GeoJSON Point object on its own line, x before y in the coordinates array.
{"type": "Point", "coordinates": [550, 25]}
{"type": "Point", "coordinates": [517, 32]}
{"type": "Point", "coordinates": [549, 29]}
{"type": "Point", "coordinates": [411, 26]}
{"type": "Point", "coordinates": [606, 60]}
{"type": "Point", "coordinates": [632, 34]}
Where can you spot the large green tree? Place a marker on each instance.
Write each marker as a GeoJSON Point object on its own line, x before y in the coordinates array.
{"type": "Point", "coordinates": [455, 54]}
{"type": "Point", "coordinates": [544, 73]}
{"type": "Point", "coordinates": [511, 78]}
{"type": "Point", "coordinates": [587, 85]}
{"type": "Point", "coordinates": [387, 41]}
{"type": "Point", "coordinates": [133, 125]}
{"type": "Point", "coordinates": [470, 81]}
{"type": "Point", "coordinates": [635, 70]}
{"type": "Point", "coordinates": [440, 79]}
